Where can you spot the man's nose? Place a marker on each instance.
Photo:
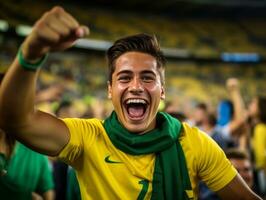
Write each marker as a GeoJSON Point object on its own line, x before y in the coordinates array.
{"type": "Point", "coordinates": [136, 85]}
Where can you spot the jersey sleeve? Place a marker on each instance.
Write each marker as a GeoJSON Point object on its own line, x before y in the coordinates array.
{"type": "Point", "coordinates": [210, 162]}
{"type": "Point", "coordinates": [259, 145]}
{"type": "Point", "coordinates": [82, 134]}
{"type": "Point", "coordinates": [45, 182]}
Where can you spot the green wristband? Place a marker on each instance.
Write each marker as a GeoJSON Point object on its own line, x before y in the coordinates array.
{"type": "Point", "coordinates": [30, 66]}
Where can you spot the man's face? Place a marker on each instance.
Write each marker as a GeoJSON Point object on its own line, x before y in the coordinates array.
{"type": "Point", "coordinates": [244, 168]}
{"type": "Point", "coordinates": [136, 91]}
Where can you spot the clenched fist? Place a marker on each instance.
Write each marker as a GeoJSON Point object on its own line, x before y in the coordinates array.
{"type": "Point", "coordinates": [56, 30]}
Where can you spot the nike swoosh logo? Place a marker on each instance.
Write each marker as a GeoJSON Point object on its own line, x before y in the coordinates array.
{"type": "Point", "coordinates": [107, 160]}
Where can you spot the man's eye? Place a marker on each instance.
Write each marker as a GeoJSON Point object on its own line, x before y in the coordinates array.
{"type": "Point", "coordinates": [147, 78]}
{"type": "Point", "coordinates": [124, 78]}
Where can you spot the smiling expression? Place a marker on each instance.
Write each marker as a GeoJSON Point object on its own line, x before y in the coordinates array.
{"type": "Point", "coordinates": [136, 91]}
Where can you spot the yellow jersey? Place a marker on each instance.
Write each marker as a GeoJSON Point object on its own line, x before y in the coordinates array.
{"type": "Point", "coordinates": [259, 145]}
{"type": "Point", "coordinates": [105, 172]}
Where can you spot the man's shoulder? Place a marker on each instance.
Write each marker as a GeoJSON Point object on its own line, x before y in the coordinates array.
{"type": "Point", "coordinates": [194, 139]}
{"type": "Point", "coordinates": [82, 122]}
{"type": "Point", "coordinates": [189, 131]}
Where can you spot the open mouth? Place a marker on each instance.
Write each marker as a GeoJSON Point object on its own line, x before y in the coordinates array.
{"type": "Point", "coordinates": [136, 108]}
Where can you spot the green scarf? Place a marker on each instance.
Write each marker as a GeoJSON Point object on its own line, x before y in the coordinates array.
{"type": "Point", "coordinates": [170, 178]}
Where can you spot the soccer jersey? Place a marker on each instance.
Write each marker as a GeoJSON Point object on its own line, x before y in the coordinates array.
{"type": "Point", "coordinates": [27, 172]}
{"type": "Point", "coordinates": [105, 172]}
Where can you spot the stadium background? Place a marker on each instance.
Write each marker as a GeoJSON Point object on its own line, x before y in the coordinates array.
{"type": "Point", "coordinates": [205, 42]}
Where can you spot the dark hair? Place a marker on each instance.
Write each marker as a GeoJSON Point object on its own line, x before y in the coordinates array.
{"type": "Point", "coordinates": [202, 106]}
{"type": "Point", "coordinates": [212, 119]}
{"type": "Point", "coordinates": [235, 153]}
{"type": "Point", "coordinates": [262, 108]}
{"type": "Point", "coordinates": [141, 43]}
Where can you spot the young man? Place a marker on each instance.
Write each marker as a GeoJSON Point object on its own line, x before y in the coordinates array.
{"type": "Point", "coordinates": [136, 153]}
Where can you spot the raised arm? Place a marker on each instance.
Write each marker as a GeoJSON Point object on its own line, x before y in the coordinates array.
{"type": "Point", "coordinates": [240, 113]}
{"type": "Point", "coordinates": [56, 30]}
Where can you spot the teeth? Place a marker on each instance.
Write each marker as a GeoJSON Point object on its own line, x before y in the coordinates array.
{"type": "Point", "coordinates": [136, 101]}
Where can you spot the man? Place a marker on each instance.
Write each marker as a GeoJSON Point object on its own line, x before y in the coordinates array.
{"type": "Point", "coordinates": [136, 153]}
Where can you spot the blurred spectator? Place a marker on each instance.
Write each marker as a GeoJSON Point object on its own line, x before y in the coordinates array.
{"type": "Point", "coordinates": [178, 115]}
{"type": "Point", "coordinates": [242, 163]}
{"type": "Point", "coordinates": [73, 191]}
{"type": "Point", "coordinates": [25, 174]}
{"type": "Point", "coordinates": [28, 176]}
{"type": "Point", "coordinates": [257, 112]}
{"type": "Point", "coordinates": [232, 115]}
{"type": "Point", "coordinates": [210, 127]}
{"type": "Point", "coordinates": [53, 93]}
{"type": "Point", "coordinates": [200, 114]}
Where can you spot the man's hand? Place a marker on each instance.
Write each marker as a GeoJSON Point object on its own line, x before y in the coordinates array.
{"type": "Point", "coordinates": [56, 30]}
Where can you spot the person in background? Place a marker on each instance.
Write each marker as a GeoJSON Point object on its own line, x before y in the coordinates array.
{"type": "Point", "coordinates": [72, 191]}
{"type": "Point", "coordinates": [200, 114]}
{"type": "Point", "coordinates": [232, 116]}
{"type": "Point", "coordinates": [241, 161]}
{"type": "Point", "coordinates": [257, 112]}
{"type": "Point", "coordinates": [25, 174]}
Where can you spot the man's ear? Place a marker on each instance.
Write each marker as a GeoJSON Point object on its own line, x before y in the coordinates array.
{"type": "Point", "coordinates": [162, 93]}
{"type": "Point", "coordinates": [109, 90]}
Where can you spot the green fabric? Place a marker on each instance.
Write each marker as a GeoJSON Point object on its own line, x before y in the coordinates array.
{"type": "Point", "coordinates": [27, 171]}
{"type": "Point", "coordinates": [3, 162]}
{"type": "Point", "coordinates": [170, 179]}
{"type": "Point", "coordinates": [73, 191]}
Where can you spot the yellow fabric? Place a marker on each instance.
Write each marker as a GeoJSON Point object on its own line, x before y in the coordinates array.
{"type": "Point", "coordinates": [89, 147]}
{"type": "Point", "coordinates": [259, 145]}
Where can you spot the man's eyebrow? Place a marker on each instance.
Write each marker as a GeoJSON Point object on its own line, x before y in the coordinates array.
{"type": "Point", "coordinates": [130, 72]}
{"type": "Point", "coordinates": [124, 72]}
{"type": "Point", "coordinates": [148, 72]}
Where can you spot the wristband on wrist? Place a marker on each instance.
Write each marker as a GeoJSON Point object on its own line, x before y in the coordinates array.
{"type": "Point", "coordinates": [27, 65]}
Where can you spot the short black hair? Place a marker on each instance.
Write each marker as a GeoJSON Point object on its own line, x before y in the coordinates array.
{"type": "Point", "coordinates": [140, 43]}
